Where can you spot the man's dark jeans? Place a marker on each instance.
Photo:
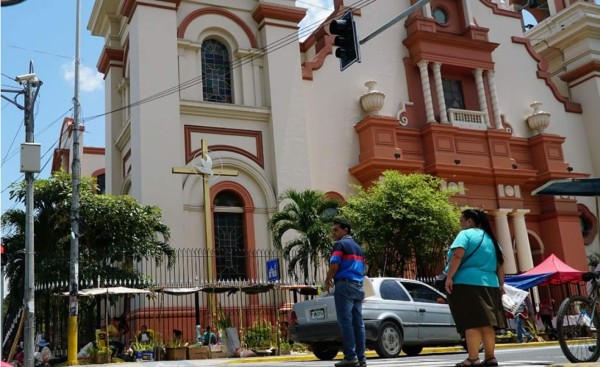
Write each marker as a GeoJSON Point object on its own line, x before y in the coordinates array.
{"type": "Point", "coordinates": [348, 307]}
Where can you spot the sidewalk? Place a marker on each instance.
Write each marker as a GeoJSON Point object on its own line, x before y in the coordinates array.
{"type": "Point", "coordinates": [311, 357]}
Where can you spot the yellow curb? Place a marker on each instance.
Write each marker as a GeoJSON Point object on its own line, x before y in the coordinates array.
{"type": "Point", "coordinates": [373, 354]}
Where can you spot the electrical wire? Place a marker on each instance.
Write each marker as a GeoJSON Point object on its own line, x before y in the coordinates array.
{"type": "Point", "coordinates": [261, 52]}
{"type": "Point", "coordinates": [10, 154]}
{"type": "Point", "coordinates": [315, 5]}
{"type": "Point", "coordinates": [11, 144]}
{"type": "Point", "coordinates": [9, 77]}
{"type": "Point", "coordinates": [45, 164]}
{"type": "Point", "coordinates": [41, 52]}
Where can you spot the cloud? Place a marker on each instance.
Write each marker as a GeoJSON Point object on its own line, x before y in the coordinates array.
{"type": "Point", "coordinates": [90, 80]}
{"type": "Point", "coordinates": [318, 10]}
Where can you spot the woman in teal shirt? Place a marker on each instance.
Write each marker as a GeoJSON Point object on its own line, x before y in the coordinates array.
{"type": "Point", "coordinates": [474, 283]}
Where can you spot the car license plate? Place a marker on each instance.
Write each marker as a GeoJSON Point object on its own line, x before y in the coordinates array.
{"type": "Point", "coordinates": [317, 314]}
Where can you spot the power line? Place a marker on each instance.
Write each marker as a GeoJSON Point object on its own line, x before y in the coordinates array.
{"type": "Point", "coordinates": [261, 52]}
{"type": "Point", "coordinates": [45, 164]}
{"type": "Point", "coordinates": [10, 155]}
{"type": "Point", "coordinates": [40, 52]}
{"type": "Point", "coordinates": [315, 5]}
{"type": "Point", "coordinates": [9, 77]}
{"type": "Point", "coordinates": [12, 143]}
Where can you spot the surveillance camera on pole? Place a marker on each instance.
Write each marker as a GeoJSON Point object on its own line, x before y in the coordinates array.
{"type": "Point", "coordinates": [25, 78]}
{"type": "Point", "coordinates": [346, 40]}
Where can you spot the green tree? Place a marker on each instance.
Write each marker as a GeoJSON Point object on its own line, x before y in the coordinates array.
{"type": "Point", "coordinates": [114, 230]}
{"type": "Point", "coordinates": [403, 219]}
{"type": "Point", "coordinates": [307, 215]}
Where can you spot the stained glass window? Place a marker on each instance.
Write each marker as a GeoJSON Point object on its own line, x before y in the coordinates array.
{"type": "Point", "coordinates": [229, 238]}
{"type": "Point", "coordinates": [216, 72]}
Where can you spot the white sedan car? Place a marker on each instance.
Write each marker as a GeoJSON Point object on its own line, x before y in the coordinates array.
{"type": "Point", "coordinates": [399, 314]}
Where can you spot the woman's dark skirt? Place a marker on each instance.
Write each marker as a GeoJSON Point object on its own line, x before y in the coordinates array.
{"type": "Point", "coordinates": [476, 306]}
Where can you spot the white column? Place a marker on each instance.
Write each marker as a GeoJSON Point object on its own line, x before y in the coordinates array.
{"type": "Point", "coordinates": [468, 12]}
{"type": "Point", "coordinates": [522, 239]}
{"type": "Point", "coordinates": [503, 236]}
{"type": "Point", "coordinates": [481, 94]}
{"type": "Point", "coordinates": [426, 90]}
{"type": "Point", "coordinates": [427, 10]}
{"type": "Point", "coordinates": [439, 89]}
{"type": "Point", "coordinates": [494, 99]}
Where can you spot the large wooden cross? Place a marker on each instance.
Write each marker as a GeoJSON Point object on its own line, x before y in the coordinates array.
{"type": "Point", "coordinates": [210, 247]}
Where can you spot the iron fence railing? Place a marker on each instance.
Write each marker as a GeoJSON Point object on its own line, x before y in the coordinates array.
{"type": "Point", "coordinates": [184, 296]}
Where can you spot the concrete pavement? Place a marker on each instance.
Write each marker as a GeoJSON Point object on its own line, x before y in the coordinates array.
{"type": "Point", "coordinates": [311, 357]}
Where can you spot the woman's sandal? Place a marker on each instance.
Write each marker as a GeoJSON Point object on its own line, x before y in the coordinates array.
{"type": "Point", "coordinates": [470, 364]}
{"type": "Point", "coordinates": [490, 362]}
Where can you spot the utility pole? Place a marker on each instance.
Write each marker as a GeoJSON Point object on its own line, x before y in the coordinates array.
{"type": "Point", "coordinates": [30, 164]}
{"type": "Point", "coordinates": [76, 182]}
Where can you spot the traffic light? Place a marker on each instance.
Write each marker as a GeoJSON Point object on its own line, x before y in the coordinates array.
{"type": "Point", "coordinates": [3, 256]}
{"type": "Point", "coordinates": [346, 40]}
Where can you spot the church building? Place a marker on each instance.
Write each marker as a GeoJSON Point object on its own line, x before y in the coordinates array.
{"type": "Point", "coordinates": [460, 89]}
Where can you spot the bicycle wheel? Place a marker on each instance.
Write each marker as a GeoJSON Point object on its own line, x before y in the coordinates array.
{"type": "Point", "coordinates": [577, 325]}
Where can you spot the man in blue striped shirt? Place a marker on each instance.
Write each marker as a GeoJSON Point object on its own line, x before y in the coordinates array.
{"type": "Point", "coordinates": [346, 269]}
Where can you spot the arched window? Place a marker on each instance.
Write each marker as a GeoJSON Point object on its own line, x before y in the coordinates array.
{"type": "Point", "coordinates": [229, 236]}
{"type": "Point", "coordinates": [216, 72]}
{"type": "Point", "coordinates": [101, 181]}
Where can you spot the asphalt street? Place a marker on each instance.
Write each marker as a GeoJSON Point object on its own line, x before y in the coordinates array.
{"type": "Point", "coordinates": [530, 355]}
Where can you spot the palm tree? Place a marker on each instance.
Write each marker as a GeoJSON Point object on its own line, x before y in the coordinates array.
{"type": "Point", "coordinates": [308, 214]}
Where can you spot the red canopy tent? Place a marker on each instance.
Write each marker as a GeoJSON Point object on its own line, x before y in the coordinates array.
{"type": "Point", "coordinates": [550, 271]}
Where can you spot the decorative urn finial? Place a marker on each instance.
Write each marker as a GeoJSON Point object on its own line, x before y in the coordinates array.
{"type": "Point", "coordinates": [539, 120]}
{"type": "Point", "coordinates": [372, 101]}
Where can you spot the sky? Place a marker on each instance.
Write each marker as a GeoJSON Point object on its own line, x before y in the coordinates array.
{"type": "Point", "coordinates": [43, 31]}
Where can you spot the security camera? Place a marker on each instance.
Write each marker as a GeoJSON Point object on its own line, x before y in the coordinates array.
{"type": "Point", "coordinates": [26, 78]}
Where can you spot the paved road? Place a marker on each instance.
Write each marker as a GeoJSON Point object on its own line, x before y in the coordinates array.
{"type": "Point", "coordinates": [515, 357]}
{"type": "Point", "coordinates": [532, 356]}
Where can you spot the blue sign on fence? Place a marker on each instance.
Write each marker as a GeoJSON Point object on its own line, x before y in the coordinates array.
{"type": "Point", "coordinates": [273, 270]}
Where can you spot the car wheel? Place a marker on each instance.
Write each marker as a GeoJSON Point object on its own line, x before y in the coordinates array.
{"type": "Point", "coordinates": [325, 352]}
{"type": "Point", "coordinates": [412, 350]}
{"type": "Point", "coordinates": [389, 342]}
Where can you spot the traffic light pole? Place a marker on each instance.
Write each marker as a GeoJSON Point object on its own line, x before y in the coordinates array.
{"type": "Point", "coordinates": [419, 4]}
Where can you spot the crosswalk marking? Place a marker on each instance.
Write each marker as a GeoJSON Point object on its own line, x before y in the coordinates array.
{"type": "Point", "coordinates": [432, 362]}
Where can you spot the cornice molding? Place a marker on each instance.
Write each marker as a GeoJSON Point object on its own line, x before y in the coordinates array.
{"type": "Point", "coordinates": [128, 7]}
{"type": "Point", "coordinates": [262, 114]}
{"type": "Point", "coordinates": [110, 57]}
{"type": "Point", "coordinates": [263, 11]}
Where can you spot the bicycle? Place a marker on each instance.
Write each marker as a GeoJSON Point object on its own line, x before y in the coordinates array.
{"type": "Point", "coordinates": [578, 322]}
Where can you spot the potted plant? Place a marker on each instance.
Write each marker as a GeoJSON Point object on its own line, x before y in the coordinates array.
{"type": "Point", "coordinates": [285, 348]}
{"type": "Point", "coordinates": [176, 350]}
{"type": "Point", "coordinates": [143, 351]}
{"type": "Point", "coordinates": [197, 351]}
{"type": "Point", "coordinates": [99, 357]}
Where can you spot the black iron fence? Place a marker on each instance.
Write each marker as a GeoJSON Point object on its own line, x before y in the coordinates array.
{"type": "Point", "coordinates": [241, 292]}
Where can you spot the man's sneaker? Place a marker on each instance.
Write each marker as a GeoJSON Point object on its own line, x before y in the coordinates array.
{"type": "Point", "coordinates": [530, 339]}
{"type": "Point", "coordinates": [362, 364]}
{"type": "Point", "coordinates": [347, 363]}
